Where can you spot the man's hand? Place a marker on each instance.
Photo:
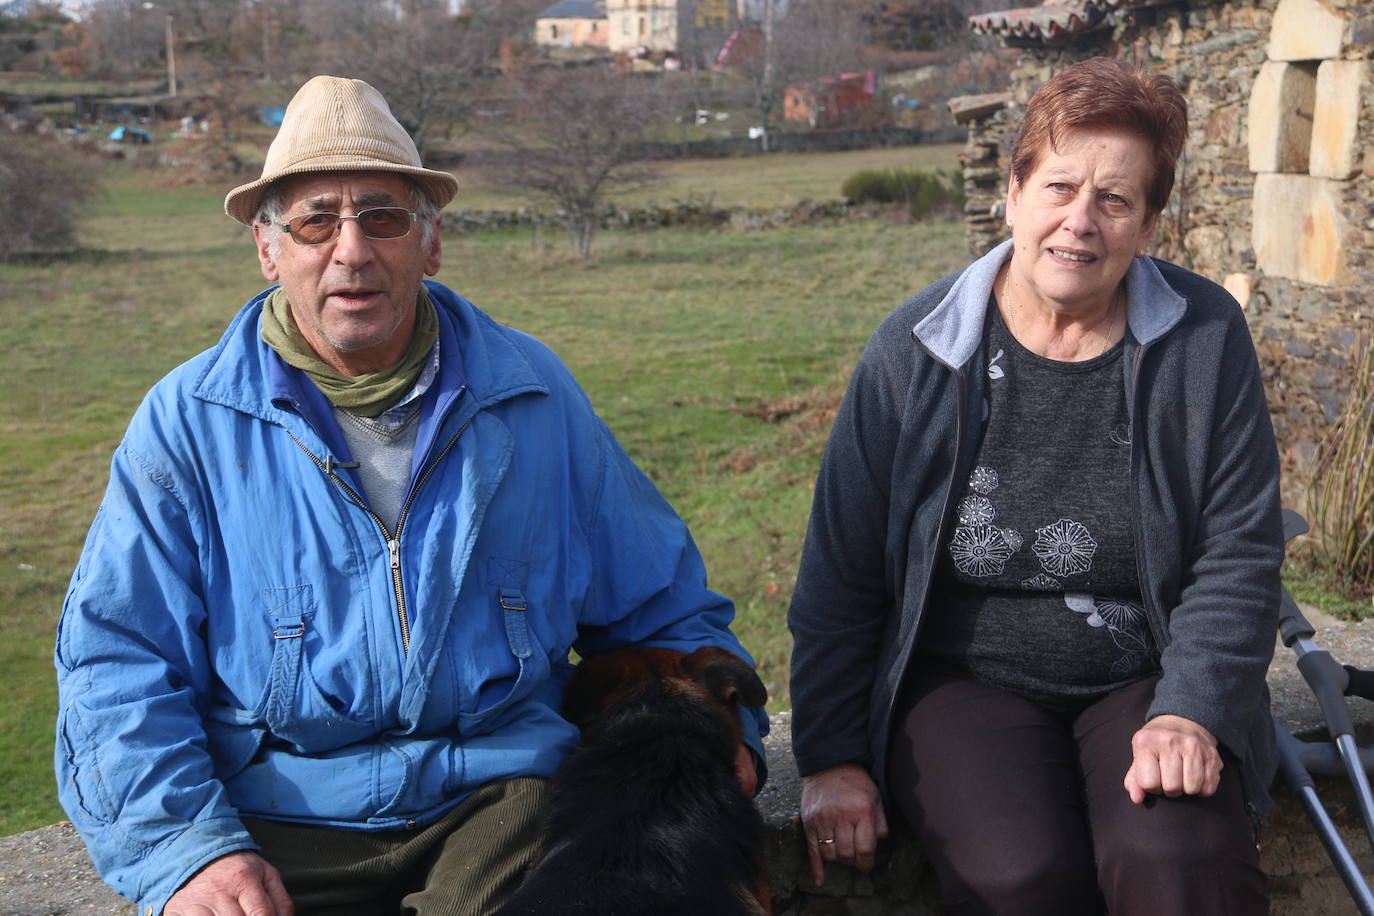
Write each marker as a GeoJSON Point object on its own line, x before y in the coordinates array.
{"type": "Point", "coordinates": [1173, 756]}
{"type": "Point", "coordinates": [239, 884]}
{"type": "Point", "coordinates": [746, 771]}
{"type": "Point", "coordinates": [842, 816]}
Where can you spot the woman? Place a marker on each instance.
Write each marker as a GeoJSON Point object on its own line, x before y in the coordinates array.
{"type": "Point", "coordinates": [1040, 583]}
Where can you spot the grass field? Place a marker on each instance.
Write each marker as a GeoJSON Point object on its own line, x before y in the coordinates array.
{"type": "Point", "coordinates": [714, 355]}
{"type": "Point", "coordinates": [779, 180]}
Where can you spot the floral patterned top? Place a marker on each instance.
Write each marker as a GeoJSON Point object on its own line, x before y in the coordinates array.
{"type": "Point", "coordinates": [1037, 589]}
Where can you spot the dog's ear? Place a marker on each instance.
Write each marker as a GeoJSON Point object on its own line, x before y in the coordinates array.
{"type": "Point", "coordinates": [599, 682]}
{"type": "Point", "coordinates": [591, 685]}
{"type": "Point", "coordinates": [729, 678]}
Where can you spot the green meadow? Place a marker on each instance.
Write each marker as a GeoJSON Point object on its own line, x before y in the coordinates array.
{"type": "Point", "coordinates": [717, 357]}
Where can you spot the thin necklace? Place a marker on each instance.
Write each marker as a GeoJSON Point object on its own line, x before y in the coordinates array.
{"type": "Point", "coordinates": [1012, 313]}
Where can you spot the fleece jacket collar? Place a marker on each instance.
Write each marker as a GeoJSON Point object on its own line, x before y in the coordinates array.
{"type": "Point", "coordinates": [953, 330]}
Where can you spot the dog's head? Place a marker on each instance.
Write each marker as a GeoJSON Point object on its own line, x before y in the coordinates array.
{"type": "Point", "coordinates": [610, 680]}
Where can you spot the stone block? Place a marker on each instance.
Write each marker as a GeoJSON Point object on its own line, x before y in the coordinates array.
{"type": "Point", "coordinates": [1336, 119]}
{"type": "Point", "coordinates": [1240, 286]}
{"type": "Point", "coordinates": [1308, 30]}
{"type": "Point", "coordinates": [1208, 244]}
{"type": "Point", "coordinates": [1298, 229]}
{"type": "Point", "coordinates": [1362, 31]}
{"type": "Point", "coordinates": [1222, 127]}
{"type": "Point", "coordinates": [1281, 102]}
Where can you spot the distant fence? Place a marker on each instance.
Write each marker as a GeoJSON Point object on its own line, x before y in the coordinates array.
{"type": "Point", "coordinates": [681, 213]}
{"type": "Point", "coordinates": [814, 141]}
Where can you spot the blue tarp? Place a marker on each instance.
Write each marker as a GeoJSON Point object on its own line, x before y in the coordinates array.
{"type": "Point", "coordinates": [272, 115]}
{"type": "Point", "coordinates": [122, 134]}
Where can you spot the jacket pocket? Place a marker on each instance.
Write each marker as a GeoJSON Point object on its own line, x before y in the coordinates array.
{"type": "Point", "coordinates": [80, 750]}
{"type": "Point", "coordinates": [294, 708]}
{"type": "Point", "coordinates": [531, 667]}
{"type": "Point", "coordinates": [234, 736]}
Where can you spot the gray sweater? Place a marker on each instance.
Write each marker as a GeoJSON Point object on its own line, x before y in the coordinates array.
{"type": "Point", "coordinates": [1205, 479]}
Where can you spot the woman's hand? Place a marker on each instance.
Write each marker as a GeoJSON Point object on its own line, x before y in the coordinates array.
{"type": "Point", "coordinates": [1173, 756]}
{"type": "Point", "coordinates": [842, 817]}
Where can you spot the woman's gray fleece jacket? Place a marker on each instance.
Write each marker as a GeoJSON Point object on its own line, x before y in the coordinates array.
{"type": "Point", "coordinates": [1205, 474]}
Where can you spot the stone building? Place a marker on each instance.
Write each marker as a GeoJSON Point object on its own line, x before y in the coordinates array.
{"type": "Point", "coordinates": [573, 24]}
{"type": "Point", "coordinates": [1274, 196]}
{"type": "Point", "coordinates": [692, 30]}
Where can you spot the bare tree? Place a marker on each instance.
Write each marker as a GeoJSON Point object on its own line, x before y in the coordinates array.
{"type": "Point", "coordinates": [809, 40]}
{"type": "Point", "coordinates": [513, 18]}
{"type": "Point", "coordinates": [922, 25]}
{"type": "Point", "coordinates": [576, 137]}
{"type": "Point", "coordinates": [124, 38]}
{"type": "Point", "coordinates": [430, 67]}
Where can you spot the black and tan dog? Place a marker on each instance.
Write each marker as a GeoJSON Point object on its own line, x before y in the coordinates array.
{"type": "Point", "coordinates": [647, 815]}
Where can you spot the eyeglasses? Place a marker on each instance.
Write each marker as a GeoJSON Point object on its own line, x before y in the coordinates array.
{"type": "Point", "coordinates": [376, 222]}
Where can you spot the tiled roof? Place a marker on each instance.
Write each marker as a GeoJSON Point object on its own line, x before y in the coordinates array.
{"type": "Point", "coordinates": [1055, 18]}
{"type": "Point", "coordinates": [575, 9]}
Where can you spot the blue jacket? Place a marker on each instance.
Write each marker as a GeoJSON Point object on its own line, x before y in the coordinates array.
{"type": "Point", "coordinates": [1205, 485]}
{"type": "Point", "coordinates": [242, 636]}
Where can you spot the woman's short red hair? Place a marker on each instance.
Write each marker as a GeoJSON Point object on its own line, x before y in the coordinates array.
{"type": "Point", "coordinates": [1102, 93]}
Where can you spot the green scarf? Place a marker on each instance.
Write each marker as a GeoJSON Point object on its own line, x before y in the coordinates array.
{"type": "Point", "coordinates": [365, 395]}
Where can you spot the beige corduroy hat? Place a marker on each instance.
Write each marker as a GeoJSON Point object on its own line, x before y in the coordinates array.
{"type": "Point", "coordinates": [338, 125]}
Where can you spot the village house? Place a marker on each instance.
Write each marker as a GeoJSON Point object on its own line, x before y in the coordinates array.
{"type": "Point", "coordinates": [1274, 196]}
{"type": "Point", "coordinates": [692, 31]}
{"type": "Point", "coordinates": [832, 100]}
{"type": "Point", "coordinates": [573, 24]}
{"type": "Point", "coordinates": [645, 25]}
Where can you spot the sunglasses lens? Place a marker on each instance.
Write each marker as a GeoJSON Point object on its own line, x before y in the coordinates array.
{"type": "Point", "coordinates": [313, 228]}
{"type": "Point", "coordinates": [376, 223]}
{"type": "Point", "coordinates": [385, 222]}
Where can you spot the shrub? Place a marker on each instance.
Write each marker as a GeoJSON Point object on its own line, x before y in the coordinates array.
{"type": "Point", "coordinates": [920, 192]}
{"type": "Point", "coordinates": [1340, 496]}
{"type": "Point", "coordinates": [869, 186]}
{"type": "Point", "coordinates": [43, 183]}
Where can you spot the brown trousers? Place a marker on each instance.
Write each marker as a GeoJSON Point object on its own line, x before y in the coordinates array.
{"type": "Point", "coordinates": [465, 864]}
{"type": "Point", "coordinates": [1021, 809]}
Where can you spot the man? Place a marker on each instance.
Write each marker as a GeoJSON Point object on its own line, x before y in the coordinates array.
{"type": "Point", "coordinates": [312, 656]}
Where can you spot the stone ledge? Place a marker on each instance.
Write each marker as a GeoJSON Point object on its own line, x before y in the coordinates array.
{"type": "Point", "coordinates": [46, 872]}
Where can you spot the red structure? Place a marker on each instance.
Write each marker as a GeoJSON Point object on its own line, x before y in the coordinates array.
{"type": "Point", "coordinates": [832, 100]}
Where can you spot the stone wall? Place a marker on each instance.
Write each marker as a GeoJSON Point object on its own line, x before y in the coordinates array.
{"type": "Point", "coordinates": [48, 871]}
{"type": "Point", "coordinates": [1274, 196]}
{"type": "Point", "coordinates": [810, 141]}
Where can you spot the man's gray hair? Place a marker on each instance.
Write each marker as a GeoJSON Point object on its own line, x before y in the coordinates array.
{"type": "Point", "coordinates": [272, 204]}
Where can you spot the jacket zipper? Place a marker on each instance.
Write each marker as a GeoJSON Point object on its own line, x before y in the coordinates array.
{"type": "Point", "coordinates": [394, 544]}
{"type": "Point", "coordinates": [961, 410]}
{"type": "Point", "coordinates": [393, 541]}
{"type": "Point", "coordinates": [1157, 627]}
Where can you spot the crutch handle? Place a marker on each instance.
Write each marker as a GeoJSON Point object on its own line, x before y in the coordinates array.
{"type": "Point", "coordinates": [1293, 626]}
{"type": "Point", "coordinates": [1293, 525]}
{"type": "Point", "coordinates": [1359, 683]}
{"type": "Point", "coordinates": [1291, 765]}
{"type": "Point", "coordinates": [1328, 680]}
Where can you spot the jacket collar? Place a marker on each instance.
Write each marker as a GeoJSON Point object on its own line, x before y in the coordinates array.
{"type": "Point", "coordinates": [953, 330]}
